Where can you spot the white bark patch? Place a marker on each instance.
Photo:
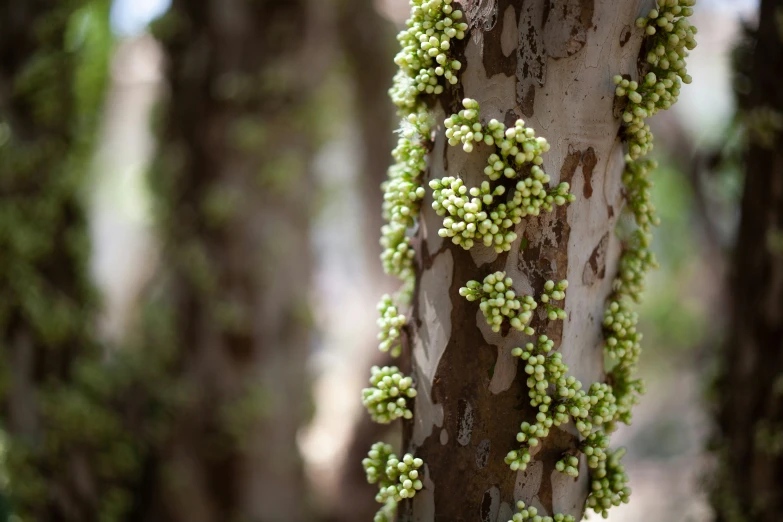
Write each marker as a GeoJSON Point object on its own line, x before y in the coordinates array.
{"type": "Point", "coordinates": [430, 342]}
{"type": "Point", "coordinates": [528, 481]}
{"type": "Point", "coordinates": [492, 94]}
{"type": "Point", "coordinates": [465, 423]}
{"type": "Point", "coordinates": [444, 437]}
{"type": "Point", "coordinates": [482, 453]}
{"type": "Point", "coordinates": [506, 512]}
{"type": "Point", "coordinates": [428, 415]}
{"type": "Point", "coordinates": [433, 336]}
{"type": "Point", "coordinates": [562, 500]}
{"type": "Point", "coordinates": [490, 505]}
{"type": "Point", "coordinates": [424, 501]}
{"type": "Point", "coordinates": [561, 484]}
{"type": "Point", "coordinates": [508, 35]}
{"type": "Point", "coordinates": [505, 370]}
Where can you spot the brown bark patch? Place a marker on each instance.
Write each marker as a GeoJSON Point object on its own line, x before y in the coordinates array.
{"type": "Point", "coordinates": [566, 31]}
{"type": "Point", "coordinates": [625, 36]}
{"type": "Point", "coordinates": [495, 62]}
{"type": "Point", "coordinates": [589, 161]}
{"type": "Point", "coordinates": [528, 102]}
{"type": "Point", "coordinates": [595, 268]}
{"type": "Point", "coordinates": [570, 164]}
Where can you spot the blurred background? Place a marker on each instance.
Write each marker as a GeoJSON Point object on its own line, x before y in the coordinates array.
{"type": "Point", "coordinates": [697, 192]}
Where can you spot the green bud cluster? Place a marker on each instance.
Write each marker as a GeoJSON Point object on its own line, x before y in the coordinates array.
{"type": "Point", "coordinates": [554, 292]}
{"type": "Point", "coordinates": [530, 514]}
{"type": "Point", "coordinates": [638, 187]}
{"type": "Point", "coordinates": [375, 462]}
{"type": "Point", "coordinates": [469, 215]}
{"type": "Point", "coordinates": [544, 368]}
{"type": "Point", "coordinates": [498, 301]}
{"type": "Point", "coordinates": [669, 38]}
{"type": "Point", "coordinates": [628, 390]}
{"type": "Point", "coordinates": [402, 191]}
{"type": "Point", "coordinates": [609, 484]}
{"type": "Point", "coordinates": [518, 143]}
{"type": "Point", "coordinates": [473, 213]}
{"type": "Point", "coordinates": [423, 59]}
{"type": "Point", "coordinates": [637, 257]}
{"type": "Point", "coordinates": [569, 465]}
{"type": "Point", "coordinates": [594, 447]}
{"type": "Point", "coordinates": [397, 479]}
{"type": "Point", "coordinates": [387, 397]}
{"type": "Point", "coordinates": [397, 256]}
{"type": "Point", "coordinates": [375, 469]}
{"type": "Point", "coordinates": [560, 398]}
{"type": "Point", "coordinates": [424, 55]}
{"type": "Point", "coordinates": [623, 347]}
{"type": "Point", "coordinates": [402, 195]}
{"type": "Point", "coordinates": [603, 406]}
{"type": "Point", "coordinates": [529, 436]}
{"type": "Point", "coordinates": [390, 323]}
{"type": "Point", "coordinates": [464, 126]}
{"type": "Point", "coordinates": [623, 341]}
{"type": "Point", "coordinates": [636, 260]}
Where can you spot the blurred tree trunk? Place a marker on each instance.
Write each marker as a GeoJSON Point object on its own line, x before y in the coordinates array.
{"type": "Point", "coordinates": [234, 193]}
{"type": "Point", "coordinates": [366, 40]}
{"type": "Point", "coordinates": [551, 65]}
{"type": "Point", "coordinates": [53, 66]}
{"type": "Point", "coordinates": [750, 388]}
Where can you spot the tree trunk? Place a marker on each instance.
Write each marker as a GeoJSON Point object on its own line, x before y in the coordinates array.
{"type": "Point", "coordinates": [550, 64]}
{"type": "Point", "coordinates": [750, 388]}
{"type": "Point", "coordinates": [235, 191]}
{"type": "Point", "coordinates": [51, 86]}
{"type": "Point", "coordinates": [366, 40]}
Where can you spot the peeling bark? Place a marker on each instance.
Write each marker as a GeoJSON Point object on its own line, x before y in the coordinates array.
{"type": "Point", "coordinates": [472, 397]}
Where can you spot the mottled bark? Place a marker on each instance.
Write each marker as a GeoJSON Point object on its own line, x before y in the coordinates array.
{"type": "Point", "coordinates": [750, 388]}
{"type": "Point", "coordinates": [234, 189]}
{"type": "Point", "coordinates": [551, 64]}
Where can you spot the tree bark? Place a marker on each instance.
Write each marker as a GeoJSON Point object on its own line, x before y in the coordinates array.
{"type": "Point", "coordinates": [550, 64]}
{"type": "Point", "coordinates": [234, 188]}
{"type": "Point", "coordinates": [750, 389]}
